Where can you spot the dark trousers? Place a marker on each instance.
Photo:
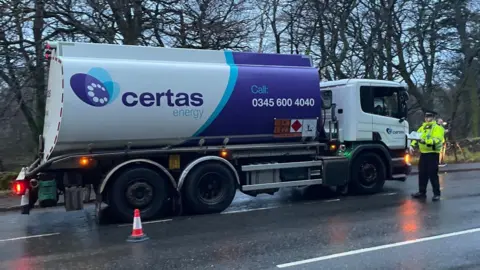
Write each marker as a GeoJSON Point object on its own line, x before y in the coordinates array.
{"type": "Point", "coordinates": [428, 170]}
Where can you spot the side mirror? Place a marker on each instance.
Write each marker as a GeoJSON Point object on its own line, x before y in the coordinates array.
{"type": "Point", "coordinates": [403, 105]}
{"type": "Point", "coordinates": [326, 99]}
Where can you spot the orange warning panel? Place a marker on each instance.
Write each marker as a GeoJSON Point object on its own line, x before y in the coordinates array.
{"type": "Point", "coordinates": [283, 128]}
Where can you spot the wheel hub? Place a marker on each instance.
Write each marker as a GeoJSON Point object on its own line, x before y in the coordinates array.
{"type": "Point", "coordinates": [210, 188]}
{"type": "Point", "coordinates": [369, 172]}
{"type": "Point", "coordinates": [139, 194]}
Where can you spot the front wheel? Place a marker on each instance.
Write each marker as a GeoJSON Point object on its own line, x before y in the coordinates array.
{"type": "Point", "coordinates": [209, 188]}
{"type": "Point", "coordinates": [368, 174]}
{"type": "Point", "coordinates": [138, 188]}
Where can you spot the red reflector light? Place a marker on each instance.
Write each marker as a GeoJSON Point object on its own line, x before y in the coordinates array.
{"type": "Point", "coordinates": [19, 187]}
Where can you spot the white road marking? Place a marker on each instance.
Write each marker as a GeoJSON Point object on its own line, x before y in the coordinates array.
{"type": "Point", "coordinates": [325, 201]}
{"type": "Point", "coordinates": [388, 194]}
{"type": "Point", "coordinates": [250, 210]}
{"type": "Point", "coordinates": [28, 237]}
{"type": "Point", "coordinates": [364, 250]}
{"type": "Point", "coordinates": [157, 221]}
{"type": "Point", "coordinates": [147, 222]}
{"type": "Point", "coordinates": [332, 200]}
{"type": "Point", "coordinates": [273, 207]}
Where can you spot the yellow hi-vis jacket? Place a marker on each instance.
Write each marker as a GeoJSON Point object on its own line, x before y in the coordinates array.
{"type": "Point", "coordinates": [433, 135]}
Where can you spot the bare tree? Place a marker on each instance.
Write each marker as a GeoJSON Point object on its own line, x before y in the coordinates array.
{"type": "Point", "coordinates": [432, 45]}
{"type": "Point", "coordinates": [213, 24]}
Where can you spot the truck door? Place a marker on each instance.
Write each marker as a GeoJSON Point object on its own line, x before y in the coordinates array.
{"type": "Point", "coordinates": [388, 115]}
{"type": "Point", "coordinates": [364, 118]}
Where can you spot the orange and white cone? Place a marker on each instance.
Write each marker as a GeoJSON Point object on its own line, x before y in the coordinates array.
{"type": "Point", "coordinates": [137, 231]}
{"type": "Point", "coordinates": [25, 204]}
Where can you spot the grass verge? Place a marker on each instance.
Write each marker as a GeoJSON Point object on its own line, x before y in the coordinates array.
{"type": "Point", "coordinates": [6, 178]}
{"type": "Point", "coordinates": [464, 156]}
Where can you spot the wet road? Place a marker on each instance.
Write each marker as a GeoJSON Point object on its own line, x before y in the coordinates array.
{"type": "Point", "coordinates": [296, 229]}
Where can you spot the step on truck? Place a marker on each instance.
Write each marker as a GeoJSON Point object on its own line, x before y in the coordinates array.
{"type": "Point", "coordinates": [161, 128]}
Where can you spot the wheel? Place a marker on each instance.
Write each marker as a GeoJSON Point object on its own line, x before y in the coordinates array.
{"type": "Point", "coordinates": [209, 188]}
{"type": "Point", "coordinates": [138, 188]}
{"type": "Point", "coordinates": [368, 174]}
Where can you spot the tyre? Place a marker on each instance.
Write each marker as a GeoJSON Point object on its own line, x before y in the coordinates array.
{"type": "Point", "coordinates": [368, 174]}
{"type": "Point", "coordinates": [209, 188]}
{"type": "Point", "coordinates": [138, 188]}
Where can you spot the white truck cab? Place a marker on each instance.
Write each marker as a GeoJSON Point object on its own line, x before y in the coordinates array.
{"type": "Point", "coordinates": [371, 112]}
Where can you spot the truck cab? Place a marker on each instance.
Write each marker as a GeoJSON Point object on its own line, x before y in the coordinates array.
{"type": "Point", "coordinates": [371, 114]}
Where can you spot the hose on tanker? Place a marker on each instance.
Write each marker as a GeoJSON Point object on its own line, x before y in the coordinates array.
{"type": "Point", "coordinates": [34, 164]}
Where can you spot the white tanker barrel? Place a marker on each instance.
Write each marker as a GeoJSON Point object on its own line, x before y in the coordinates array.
{"type": "Point", "coordinates": [106, 96]}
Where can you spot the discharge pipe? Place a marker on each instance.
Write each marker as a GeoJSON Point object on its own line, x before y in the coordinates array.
{"type": "Point", "coordinates": [34, 183]}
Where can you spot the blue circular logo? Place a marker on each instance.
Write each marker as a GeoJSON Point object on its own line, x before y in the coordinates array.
{"type": "Point", "coordinates": [389, 130]}
{"type": "Point", "coordinates": [95, 88]}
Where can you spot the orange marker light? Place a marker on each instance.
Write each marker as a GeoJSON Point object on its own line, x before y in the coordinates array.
{"type": "Point", "coordinates": [224, 153]}
{"type": "Point", "coordinates": [407, 158]}
{"type": "Point", "coordinates": [84, 161]}
{"type": "Point", "coordinates": [333, 147]}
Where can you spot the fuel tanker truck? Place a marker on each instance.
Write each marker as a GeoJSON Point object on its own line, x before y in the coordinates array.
{"type": "Point", "coordinates": [157, 129]}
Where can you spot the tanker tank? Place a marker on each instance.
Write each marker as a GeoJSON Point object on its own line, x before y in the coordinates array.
{"type": "Point", "coordinates": [156, 97]}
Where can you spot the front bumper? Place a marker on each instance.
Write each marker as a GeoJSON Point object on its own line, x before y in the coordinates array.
{"type": "Point", "coordinates": [400, 169]}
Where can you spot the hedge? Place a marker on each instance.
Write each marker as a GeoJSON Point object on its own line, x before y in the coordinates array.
{"type": "Point", "coordinates": [6, 178]}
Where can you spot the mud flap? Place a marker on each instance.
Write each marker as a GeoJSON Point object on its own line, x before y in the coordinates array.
{"type": "Point", "coordinates": [335, 171]}
{"type": "Point", "coordinates": [177, 204]}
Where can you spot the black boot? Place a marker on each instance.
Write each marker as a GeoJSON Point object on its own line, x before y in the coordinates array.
{"type": "Point", "coordinates": [436, 198]}
{"type": "Point", "coordinates": [419, 195]}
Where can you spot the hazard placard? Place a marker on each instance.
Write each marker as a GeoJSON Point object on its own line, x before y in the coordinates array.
{"type": "Point", "coordinates": [309, 128]}
{"type": "Point", "coordinates": [283, 128]}
{"type": "Point", "coordinates": [295, 128]}
{"type": "Point", "coordinates": [296, 125]}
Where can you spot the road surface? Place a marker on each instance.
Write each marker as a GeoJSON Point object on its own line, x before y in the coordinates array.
{"type": "Point", "coordinates": [296, 229]}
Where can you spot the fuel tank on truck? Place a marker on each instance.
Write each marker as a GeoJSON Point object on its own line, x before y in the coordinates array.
{"type": "Point", "coordinates": [103, 96]}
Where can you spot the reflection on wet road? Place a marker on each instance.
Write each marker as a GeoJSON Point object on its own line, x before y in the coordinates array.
{"type": "Point", "coordinates": [267, 232]}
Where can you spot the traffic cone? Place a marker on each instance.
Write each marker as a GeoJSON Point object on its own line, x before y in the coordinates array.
{"type": "Point", "coordinates": [25, 204]}
{"type": "Point", "coordinates": [137, 231]}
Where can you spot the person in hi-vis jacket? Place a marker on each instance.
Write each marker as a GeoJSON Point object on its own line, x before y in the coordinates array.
{"type": "Point", "coordinates": [430, 144]}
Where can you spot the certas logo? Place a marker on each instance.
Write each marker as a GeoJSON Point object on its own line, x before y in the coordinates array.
{"type": "Point", "coordinates": [391, 131]}
{"type": "Point", "coordinates": [96, 87]}
{"type": "Point", "coordinates": [182, 104]}
{"type": "Point", "coordinates": [168, 98]}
